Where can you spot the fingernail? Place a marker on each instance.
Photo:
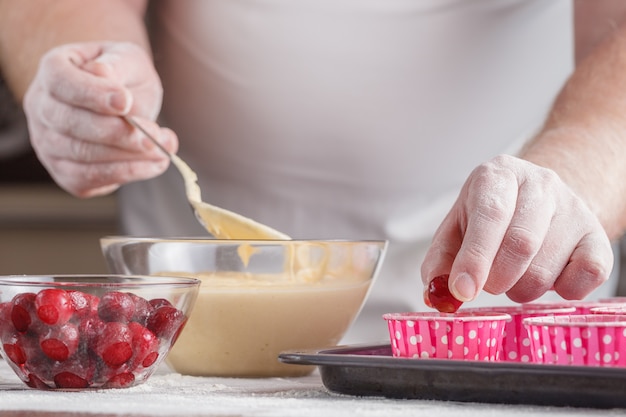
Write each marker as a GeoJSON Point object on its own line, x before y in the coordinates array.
{"type": "Point", "coordinates": [120, 102]}
{"type": "Point", "coordinates": [464, 287]}
{"type": "Point", "coordinates": [163, 138]}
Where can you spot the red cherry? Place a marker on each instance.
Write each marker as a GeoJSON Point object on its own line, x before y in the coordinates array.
{"type": "Point", "coordinates": [23, 310]}
{"type": "Point", "coordinates": [40, 365]}
{"type": "Point", "coordinates": [54, 306]}
{"type": "Point", "coordinates": [15, 353]}
{"type": "Point", "coordinates": [116, 306]}
{"type": "Point", "coordinates": [160, 302]}
{"type": "Point", "coordinates": [6, 324]}
{"type": "Point", "coordinates": [440, 297]}
{"type": "Point", "coordinates": [89, 329]}
{"type": "Point", "coordinates": [166, 322]}
{"type": "Point", "coordinates": [146, 346]}
{"type": "Point", "coordinates": [143, 309]}
{"type": "Point", "coordinates": [33, 381]}
{"type": "Point", "coordinates": [114, 344]}
{"type": "Point", "coordinates": [75, 372]}
{"type": "Point", "coordinates": [70, 380]}
{"type": "Point", "coordinates": [123, 380]}
{"type": "Point", "coordinates": [178, 331]}
{"type": "Point", "coordinates": [84, 304]}
{"type": "Point", "coordinates": [149, 360]}
{"type": "Point", "coordinates": [59, 343]}
{"type": "Point", "coordinates": [27, 342]}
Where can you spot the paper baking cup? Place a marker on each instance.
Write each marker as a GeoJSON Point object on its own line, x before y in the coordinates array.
{"type": "Point", "coordinates": [582, 306]}
{"type": "Point", "coordinates": [617, 300]}
{"type": "Point", "coordinates": [609, 309]}
{"type": "Point", "coordinates": [465, 336]}
{"type": "Point", "coordinates": [590, 339]}
{"type": "Point", "coordinates": [515, 340]}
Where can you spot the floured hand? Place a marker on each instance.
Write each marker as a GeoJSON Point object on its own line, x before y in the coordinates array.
{"type": "Point", "coordinates": [72, 107]}
{"type": "Point", "coordinates": [516, 228]}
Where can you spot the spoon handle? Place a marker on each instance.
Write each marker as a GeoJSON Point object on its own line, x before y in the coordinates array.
{"type": "Point", "coordinates": [132, 121]}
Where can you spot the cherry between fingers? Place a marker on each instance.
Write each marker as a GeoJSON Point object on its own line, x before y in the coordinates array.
{"type": "Point", "coordinates": [440, 297]}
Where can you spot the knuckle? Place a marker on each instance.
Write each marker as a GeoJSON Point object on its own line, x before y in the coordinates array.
{"type": "Point", "coordinates": [533, 284]}
{"type": "Point", "coordinates": [492, 208]}
{"type": "Point", "coordinates": [97, 174]}
{"type": "Point", "coordinates": [476, 253]}
{"type": "Point", "coordinates": [81, 151]}
{"type": "Point", "coordinates": [56, 117]}
{"type": "Point", "coordinates": [593, 272]}
{"type": "Point", "coordinates": [521, 243]}
{"type": "Point", "coordinates": [491, 192]}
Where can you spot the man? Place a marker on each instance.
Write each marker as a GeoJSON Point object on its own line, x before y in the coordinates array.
{"type": "Point", "coordinates": [348, 119]}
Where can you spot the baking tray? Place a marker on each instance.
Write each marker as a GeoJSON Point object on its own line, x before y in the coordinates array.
{"type": "Point", "coordinates": [371, 370]}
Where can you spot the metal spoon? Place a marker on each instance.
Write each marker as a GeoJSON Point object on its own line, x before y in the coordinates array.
{"type": "Point", "coordinates": [219, 222]}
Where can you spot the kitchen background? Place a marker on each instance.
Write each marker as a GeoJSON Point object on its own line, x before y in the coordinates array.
{"type": "Point", "coordinates": [43, 229]}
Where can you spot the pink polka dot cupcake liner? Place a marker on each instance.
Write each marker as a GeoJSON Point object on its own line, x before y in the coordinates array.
{"type": "Point", "coordinates": [581, 306]}
{"type": "Point", "coordinates": [464, 336]}
{"type": "Point", "coordinates": [590, 339]}
{"type": "Point", "coordinates": [516, 345]}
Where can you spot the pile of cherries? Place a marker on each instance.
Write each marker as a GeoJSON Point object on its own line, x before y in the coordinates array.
{"type": "Point", "coordinates": [69, 339]}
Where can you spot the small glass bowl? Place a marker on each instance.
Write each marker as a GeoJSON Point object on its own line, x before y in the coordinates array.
{"type": "Point", "coordinates": [77, 332]}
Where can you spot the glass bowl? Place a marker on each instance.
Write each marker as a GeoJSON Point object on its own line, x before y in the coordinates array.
{"type": "Point", "coordinates": [257, 298]}
{"type": "Point", "coordinates": [79, 332]}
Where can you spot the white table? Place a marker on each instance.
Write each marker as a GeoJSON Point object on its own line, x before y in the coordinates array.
{"type": "Point", "coordinates": [171, 394]}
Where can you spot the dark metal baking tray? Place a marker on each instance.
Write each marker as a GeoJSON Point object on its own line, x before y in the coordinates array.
{"type": "Point", "coordinates": [371, 370]}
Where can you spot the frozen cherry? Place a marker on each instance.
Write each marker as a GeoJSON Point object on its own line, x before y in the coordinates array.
{"type": "Point", "coordinates": [70, 380]}
{"type": "Point", "coordinates": [72, 372]}
{"type": "Point", "coordinates": [27, 342]}
{"type": "Point", "coordinates": [122, 380]}
{"type": "Point", "coordinates": [143, 309]}
{"type": "Point", "coordinates": [23, 307]}
{"type": "Point", "coordinates": [114, 344]}
{"type": "Point", "coordinates": [84, 304]}
{"type": "Point", "coordinates": [440, 297]}
{"type": "Point", "coordinates": [89, 329]}
{"type": "Point", "coordinates": [34, 381]}
{"type": "Point", "coordinates": [160, 302]}
{"type": "Point", "coordinates": [6, 324]}
{"type": "Point", "coordinates": [165, 322]}
{"type": "Point", "coordinates": [15, 353]}
{"type": "Point", "coordinates": [59, 343]}
{"type": "Point", "coordinates": [39, 364]}
{"type": "Point", "coordinates": [146, 346]}
{"type": "Point", "coordinates": [54, 306]}
{"type": "Point", "coordinates": [150, 359]}
{"type": "Point", "coordinates": [116, 306]}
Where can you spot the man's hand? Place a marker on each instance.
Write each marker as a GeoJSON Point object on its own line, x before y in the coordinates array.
{"type": "Point", "coordinates": [73, 107]}
{"type": "Point", "coordinates": [516, 228]}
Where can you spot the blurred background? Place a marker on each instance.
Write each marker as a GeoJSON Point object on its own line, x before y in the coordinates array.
{"type": "Point", "coordinates": [43, 229]}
